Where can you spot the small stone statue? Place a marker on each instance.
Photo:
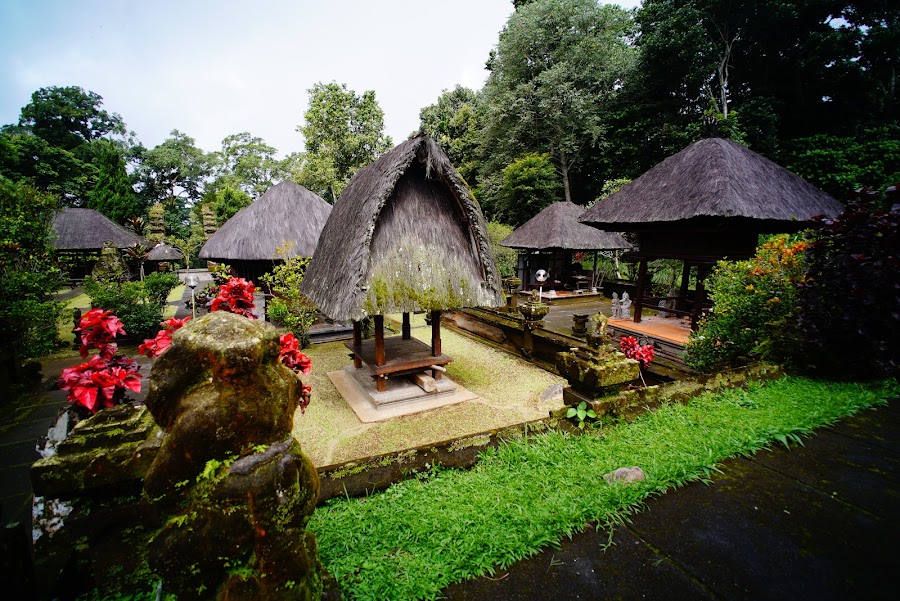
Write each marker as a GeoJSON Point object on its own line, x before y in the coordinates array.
{"type": "Point", "coordinates": [596, 329]}
{"type": "Point", "coordinates": [535, 296]}
{"type": "Point", "coordinates": [616, 306]}
{"type": "Point", "coordinates": [625, 308]}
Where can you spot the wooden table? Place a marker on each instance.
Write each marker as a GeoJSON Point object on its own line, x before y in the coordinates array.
{"type": "Point", "coordinates": [401, 357]}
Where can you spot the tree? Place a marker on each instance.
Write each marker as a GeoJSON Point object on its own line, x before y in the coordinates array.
{"type": "Point", "coordinates": [225, 202]}
{"type": "Point", "coordinates": [530, 184]}
{"type": "Point", "coordinates": [29, 274]}
{"type": "Point", "coordinates": [174, 173]}
{"type": "Point", "coordinates": [343, 132]}
{"type": "Point", "coordinates": [454, 122]}
{"type": "Point", "coordinates": [69, 117]}
{"type": "Point", "coordinates": [249, 164]}
{"type": "Point", "coordinates": [112, 194]}
{"type": "Point", "coordinates": [557, 64]}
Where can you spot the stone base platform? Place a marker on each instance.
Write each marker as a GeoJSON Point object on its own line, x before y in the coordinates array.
{"type": "Point", "coordinates": [402, 397]}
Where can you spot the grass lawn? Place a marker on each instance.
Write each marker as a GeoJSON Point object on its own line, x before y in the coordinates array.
{"type": "Point", "coordinates": [421, 535]}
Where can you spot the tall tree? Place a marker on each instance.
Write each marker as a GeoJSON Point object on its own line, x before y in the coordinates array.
{"type": "Point", "coordinates": [343, 132]}
{"type": "Point", "coordinates": [67, 117]}
{"type": "Point", "coordinates": [454, 121]}
{"type": "Point", "coordinates": [112, 194]}
{"type": "Point", "coordinates": [556, 66]}
{"type": "Point", "coordinates": [248, 163]}
{"type": "Point", "coordinates": [530, 184]}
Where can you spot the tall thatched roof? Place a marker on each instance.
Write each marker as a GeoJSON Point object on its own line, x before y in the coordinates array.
{"type": "Point", "coordinates": [713, 178]}
{"type": "Point", "coordinates": [87, 230]}
{"type": "Point", "coordinates": [286, 212]}
{"type": "Point", "coordinates": [164, 252]}
{"type": "Point", "coordinates": [557, 227]}
{"type": "Point", "coordinates": [406, 235]}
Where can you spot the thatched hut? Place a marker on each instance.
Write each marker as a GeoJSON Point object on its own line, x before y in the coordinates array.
{"type": "Point", "coordinates": [81, 233]}
{"type": "Point", "coordinates": [552, 236]}
{"type": "Point", "coordinates": [162, 253]}
{"type": "Point", "coordinates": [286, 215]}
{"type": "Point", "coordinates": [706, 203]}
{"type": "Point", "coordinates": [406, 235]}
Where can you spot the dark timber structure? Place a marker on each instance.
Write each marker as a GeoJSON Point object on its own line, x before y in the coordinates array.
{"type": "Point", "coordinates": [405, 236]}
{"type": "Point", "coordinates": [557, 230]}
{"type": "Point", "coordinates": [706, 203]}
{"type": "Point", "coordinates": [82, 232]}
{"type": "Point", "coordinates": [285, 214]}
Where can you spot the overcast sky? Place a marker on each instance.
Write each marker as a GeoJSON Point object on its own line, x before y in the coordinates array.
{"type": "Point", "coordinates": [211, 68]}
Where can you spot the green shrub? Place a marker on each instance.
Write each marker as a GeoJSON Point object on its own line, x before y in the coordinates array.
{"type": "Point", "coordinates": [754, 309]}
{"type": "Point", "coordinates": [140, 313]}
{"type": "Point", "coordinates": [505, 258]}
{"type": "Point", "coordinates": [158, 285]}
{"type": "Point", "coordinates": [289, 308]}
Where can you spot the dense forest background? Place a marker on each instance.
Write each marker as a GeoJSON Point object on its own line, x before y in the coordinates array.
{"type": "Point", "coordinates": [580, 96]}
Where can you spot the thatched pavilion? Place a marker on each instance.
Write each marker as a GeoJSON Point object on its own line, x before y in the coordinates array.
{"type": "Point", "coordinates": [558, 234]}
{"type": "Point", "coordinates": [405, 236]}
{"type": "Point", "coordinates": [709, 202]}
{"type": "Point", "coordinates": [82, 232]}
{"type": "Point", "coordinates": [285, 213]}
{"type": "Point", "coordinates": [163, 253]}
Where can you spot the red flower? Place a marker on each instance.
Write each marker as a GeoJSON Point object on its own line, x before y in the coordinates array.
{"type": "Point", "coordinates": [154, 347]}
{"type": "Point", "coordinates": [235, 296]}
{"type": "Point", "coordinates": [632, 349]}
{"type": "Point", "coordinates": [98, 328]}
{"type": "Point", "coordinates": [292, 358]}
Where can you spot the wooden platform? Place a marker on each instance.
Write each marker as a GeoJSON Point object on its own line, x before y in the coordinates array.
{"type": "Point", "coordinates": [669, 335]}
{"type": "Point", "coordinates": [400, 356]}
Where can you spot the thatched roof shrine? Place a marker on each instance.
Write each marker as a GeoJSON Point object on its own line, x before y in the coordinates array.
{"type": "Point", "coordinates": [405, 235]}
{"type": "Point", "coordinates": [557, 228]}
{"type": "Point", "coordinates": [285, 213]}
{"type": "Point", "coordinates": [85, 230]}
{"type": "Point", "coordinates": [708, 202]}
{"type": "Point", "coordinates": [164, 252]}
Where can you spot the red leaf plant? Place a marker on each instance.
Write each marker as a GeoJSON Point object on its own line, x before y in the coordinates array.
{"type": "Point", "coordinates": [235, 296]}
{"type": "Point", "coordinates": [154, 347]}
{"type": "Point", "coordinates": [298, 362]}
{"type": "Point", "coordinates": [633, 350]}
{"type": "Point", "coordinates": [104, 379]}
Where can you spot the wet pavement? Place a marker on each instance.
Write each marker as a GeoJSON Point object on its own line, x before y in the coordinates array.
{"type": "Point", "coordinates": [820, 521]}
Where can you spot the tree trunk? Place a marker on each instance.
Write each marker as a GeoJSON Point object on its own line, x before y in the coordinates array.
{"type": "Point", "coordinates": [564, 168]}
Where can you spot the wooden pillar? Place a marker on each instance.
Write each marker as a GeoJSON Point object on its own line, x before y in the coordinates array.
{"type": "Point", "coordinates": [702, 272]}
{"type": "Point", "coordinates": [436, 340]}
{"type": "Point", "coordinates": [406, 327]}
{"type": "Point", "coordinates": [685, 283]}
{"type": "Point", "coordinates": [357, 343]}
{"type": "Point", "coordinates": [638, 302]}
{"type": "Point", "coordinates": [379, 340]}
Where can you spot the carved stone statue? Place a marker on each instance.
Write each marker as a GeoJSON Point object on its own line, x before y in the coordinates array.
{"type": "Point", "coordinates": [616, 306]}
{"type": "Point", "coordinates": [625, 310]}
{"type": "Point", "coordinates": [236, 484]}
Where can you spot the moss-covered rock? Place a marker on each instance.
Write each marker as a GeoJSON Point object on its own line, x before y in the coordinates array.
{"type": "Point", "coordinates": [596, 372]}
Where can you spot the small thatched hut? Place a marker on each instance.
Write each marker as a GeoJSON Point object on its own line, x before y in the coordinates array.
{"type": "Point", "coordinates": [557, 233]}
{"type": "Point", "coordinates": [162, 253]}
{"type": "Point", "coordinates": [285, 214]}
{"type": "Point", "coordinates": [406, 235]}
{"type": "Point", "coordinates": [708, 202]}
{"type": "Point", "coordinates": [79, 233]}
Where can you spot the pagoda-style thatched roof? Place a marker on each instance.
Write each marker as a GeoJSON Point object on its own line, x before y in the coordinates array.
{"type": "Point", "coordinates": [87, 230]}
{"type": "Point", "coordinates": [164, 252]}
{"type": "Point", "coordinates": [286, 212]}
{"type": "Point", "coordinates": [713, 180]}
{"type": "Point", "coordinates": [406, 235]}
{"type": "Point", "coordinates": [557, 228]}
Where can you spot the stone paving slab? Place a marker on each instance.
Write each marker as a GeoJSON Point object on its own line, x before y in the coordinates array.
{"type": "Point", "coordinates": [815, 522]}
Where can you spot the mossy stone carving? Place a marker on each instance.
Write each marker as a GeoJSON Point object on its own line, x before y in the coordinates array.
{"type": "Point", "coordinates": [237, 486]}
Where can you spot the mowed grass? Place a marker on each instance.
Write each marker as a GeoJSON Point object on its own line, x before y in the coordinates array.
{"type": "Point", "coordinates": [421, 535]}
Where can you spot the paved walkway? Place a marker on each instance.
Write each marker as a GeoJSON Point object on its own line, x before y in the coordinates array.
{"type": "Point", "coordinates": [816, 522]}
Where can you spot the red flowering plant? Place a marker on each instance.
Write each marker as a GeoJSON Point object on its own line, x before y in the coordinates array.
{"type": "Point", "coordinates": [154, 347]}
{"type": "Point", "coordinates": [103, 380]}
{"type": "Point", "coordinates": [632, 349]}
{"type": "Point", "coordinates": [235, 296]}
{"type": "Point", "coordinates": [298, 362]}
